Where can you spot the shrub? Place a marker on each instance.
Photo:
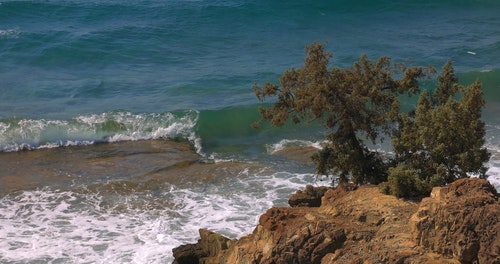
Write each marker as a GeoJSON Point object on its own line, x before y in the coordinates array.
{"type": "Point", "coordinates": [404, 181]}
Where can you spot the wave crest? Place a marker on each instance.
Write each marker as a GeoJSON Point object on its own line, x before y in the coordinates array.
{"type": "Point", "coordinates": [9, 33]}
{"type": "Point", "coordinates": [27, 134]}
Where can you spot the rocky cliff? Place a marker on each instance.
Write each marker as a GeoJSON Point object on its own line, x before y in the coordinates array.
{"type": "Point", "coordinates": [456, 224]}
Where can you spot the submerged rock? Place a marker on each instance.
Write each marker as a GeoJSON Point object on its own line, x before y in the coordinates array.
{"type": "Point", "coordinates": [457, 224]}
{"type": "Point", "coordinates": [301, 154]}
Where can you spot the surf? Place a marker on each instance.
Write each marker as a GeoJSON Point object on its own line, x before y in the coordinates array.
{"type": "Point", "coordinates": [18, 134]}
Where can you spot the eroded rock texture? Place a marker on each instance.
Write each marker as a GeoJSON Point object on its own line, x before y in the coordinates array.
{"type": "Point", "coordinates": [461, 221]}
{"type": "Point", "coordinates": [457, 224]}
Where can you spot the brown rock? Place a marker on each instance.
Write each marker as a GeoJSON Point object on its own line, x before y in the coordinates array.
{"type": "Point", "coordinates": [309, 197]}
{"type": "Point", "coordinates": [458, 224]}
{"type": "Point", "coordinates": [461, 221]}
{"type": "Point", "coordinates": [209, 249]}
{"type": "Point", "coordinates": [188, 254]}
{"type": "Point", "coordinates": [298, 153]}
{"type": "Point", "coordinates": [288, 235]}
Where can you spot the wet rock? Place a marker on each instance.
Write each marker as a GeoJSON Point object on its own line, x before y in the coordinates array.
{"type": "Point", "coordinates": [209, 249]}
{"type": "Point", "coordinates": [309, 197]}
{"type": "Point", "coordinates": [301, 154]}
{"type": "Point", "coordinates": [188, 254]}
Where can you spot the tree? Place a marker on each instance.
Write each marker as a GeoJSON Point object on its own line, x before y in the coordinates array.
{"type": "Point", "coordinates": [355, 104]}
{"type": "Point", "coordinates": [443, 140]}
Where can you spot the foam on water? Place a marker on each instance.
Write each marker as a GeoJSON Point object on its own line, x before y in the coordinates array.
{"type": "Point", "coordinates": [8, 33]}
{"type": "Point", "coordinates": [22, 134]}
{"type": "Point", "coordinates": [79, 226]}
{"type": "Point", "coordinates": [493, 145]}
{"type": "Point", "coordinates": [494, 174]}
{"type": "Point", "coordinates": [71, 228]}
{"type": "Point", "coordinates": [282, 144]}
{"type": "Point", "coordinates": [151, 57]}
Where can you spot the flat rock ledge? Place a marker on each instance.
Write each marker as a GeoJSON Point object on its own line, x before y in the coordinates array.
{"type": "Point", "coordinates": [458, 223]}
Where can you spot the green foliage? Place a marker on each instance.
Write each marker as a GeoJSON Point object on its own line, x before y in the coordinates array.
{"type": "Point", "coordinates": [352, 102]}
{"type": "Point", "coordinates": [439, 142]}
{"type": "Point", "coordinates": [444, 139]}
{"type": "Point", "coordinates": [384, 188]}
{"type": "Point", "coordinates": [404, 181]}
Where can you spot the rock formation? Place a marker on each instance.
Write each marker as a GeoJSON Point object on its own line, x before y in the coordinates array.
{"type": "Point", "coordinates": [457, 224]}
{"type": "Point", "coordinates": [461, 221]}
{"type": "Point", "coordinates": [309, 197]}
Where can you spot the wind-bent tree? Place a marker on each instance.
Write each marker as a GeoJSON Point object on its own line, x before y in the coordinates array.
{"type": "Point", "coordinates": [443, 140]}
{"type": "Point", "coordinates": [354, 104]}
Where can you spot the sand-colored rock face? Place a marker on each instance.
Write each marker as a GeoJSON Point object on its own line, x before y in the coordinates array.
{"type": "Point", "coordinates": [461, 221]}
{"type": "Point", "coordinates": [458, 224]}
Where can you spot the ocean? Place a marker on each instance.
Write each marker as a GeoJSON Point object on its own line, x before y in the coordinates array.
{"type": "Point", "coordinates": [125, 125]}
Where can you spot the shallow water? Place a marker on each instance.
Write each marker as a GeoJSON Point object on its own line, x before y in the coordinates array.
{"type": "Point", "coordinates": [73, 166]}
{"type": "Point", "coordinates": [129, 201]}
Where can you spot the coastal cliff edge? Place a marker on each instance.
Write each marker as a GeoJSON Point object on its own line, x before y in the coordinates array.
{"type": "Point", "coordinates": [458, 223]}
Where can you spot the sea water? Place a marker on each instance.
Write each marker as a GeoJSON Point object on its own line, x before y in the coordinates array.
{"type": "Point", "coordinates": [76, 74]}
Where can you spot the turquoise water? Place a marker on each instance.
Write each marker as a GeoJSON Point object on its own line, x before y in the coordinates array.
{"type": "Point", "coordinates": [84, 72]}
{"type": "Point", "coordinates": [64, 60]}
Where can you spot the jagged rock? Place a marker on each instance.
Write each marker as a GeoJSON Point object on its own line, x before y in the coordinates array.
{"type": "Point", "coordinates": [209, 249]}
{"type": "Point", "coordinates": [188, 254]}
{"type": "Point", "coordinates": [288, 235]}
{"type": "Point", "coordinates": [458, 224]}
{"type": "Point", "coordinates": [376, 226]}
{"type": "Point", "coordinates": [309, 197]}
{"type": "Point", "coordinates": [212, 243]}
{"type": "Point", "coordinates": [461, 221]}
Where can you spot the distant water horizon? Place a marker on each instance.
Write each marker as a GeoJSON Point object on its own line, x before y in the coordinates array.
{"type": "Point", "coordinates": [80, 73]}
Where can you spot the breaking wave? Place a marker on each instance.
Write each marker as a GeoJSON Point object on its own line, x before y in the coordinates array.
{"type": "Point", "coordinates": [18, 134]}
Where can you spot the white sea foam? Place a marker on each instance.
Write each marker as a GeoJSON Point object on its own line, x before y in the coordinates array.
{"type": "Point", "coordinates": [494, 177]}
{"type": "Point", "coordinates": [83, 227]}
{"type": "Point", "coordinates": [493, 145]}
{"type": "Point", "coordinates": [282, 144]}
{"type": "Point", "coordinates": [8, 33]}
{"type": "Point", "coordinates": [106, 127]}
{"type": "Point", "coordinates": [494, 167]}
